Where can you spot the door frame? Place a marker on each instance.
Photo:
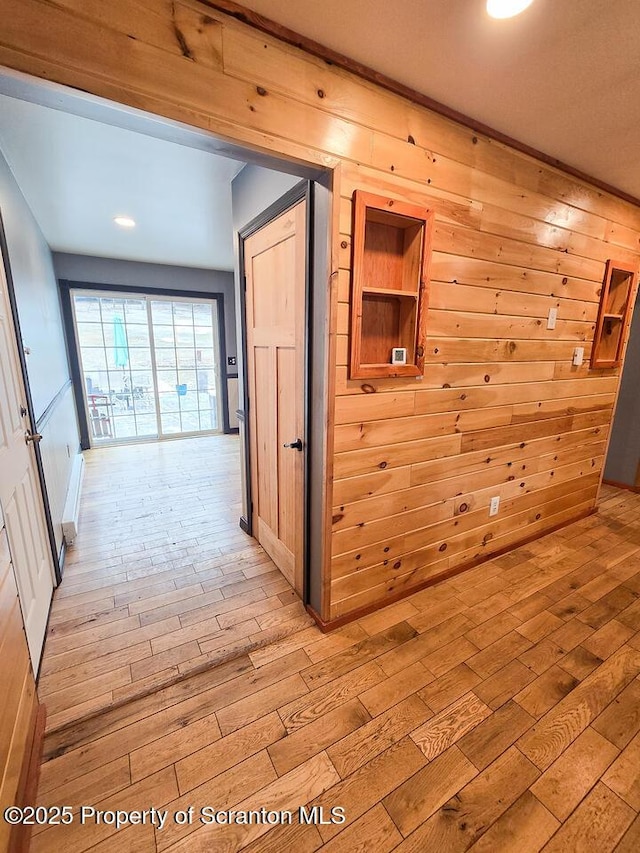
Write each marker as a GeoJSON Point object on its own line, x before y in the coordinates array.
{"type": "Point", "coordinates": [58, 559]}
{"type": "Point", "coordinates": [66, 286]}
{"type": "Point", "coordinates": [301, 191]}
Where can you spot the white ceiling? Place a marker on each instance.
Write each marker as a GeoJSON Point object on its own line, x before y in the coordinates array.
{"type": "Point", "coordinates": [563, 77]}
{"type": "Point", "coordinates": [77, 174]}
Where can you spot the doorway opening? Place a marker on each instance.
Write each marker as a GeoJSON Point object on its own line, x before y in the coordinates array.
{"type": "Point", "coordinates": [154, 591]}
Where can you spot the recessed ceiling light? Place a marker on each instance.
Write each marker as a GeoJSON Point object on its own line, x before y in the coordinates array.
{"type": "Point", "coordinates": [506, 8]}
{"type": "Point", "coordinates": [124, 221]}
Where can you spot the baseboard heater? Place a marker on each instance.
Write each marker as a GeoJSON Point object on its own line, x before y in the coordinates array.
{"type": "Point", "coordinates": [72, 505]}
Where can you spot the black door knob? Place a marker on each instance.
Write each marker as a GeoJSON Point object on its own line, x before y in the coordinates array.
{"type": "Point", "coordinates": [296, 445]}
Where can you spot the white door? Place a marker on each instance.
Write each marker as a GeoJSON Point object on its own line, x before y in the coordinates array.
{"type": "Point", "coordinates": [20, 495]}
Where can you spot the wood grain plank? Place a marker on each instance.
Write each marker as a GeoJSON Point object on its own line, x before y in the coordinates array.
{"type": "Point", "coordinates": [449, 687]}
{"type": "Point", "coordinates": [160, 789]}
{"type": "Point", "coordinates": [504, 684]}
{"type": "Point", "coordinates": [545, 691]}
{"type": "Point", "coordinates": [223, 791]}
{"type": "Point", "coordinates": [173, 747]}
{"type": "Point", "coordinates": [374, 737]}
{"type": "Point", "coordinates": [370, 783]}
{"type": "Point", "coordinates": [214, 759]}
{"type": "Point", "coordinates": [574, 773]}
{"type": "Point", "coordinates": [620, 721]}
{"type": "Point", "coordinates": [451, 724]}
{"type": "Point", "coordinates": [597, 824]}
{"type": "Point", "coordinates": [495, 735]}
{"type": "Point", "coordinates": [523, 828]}
{"type": "Point", "coordinates": [568, 719]}
{"type": "Point", "coordinates": [373, 831]}
{"type": "Point", "coordinates": [631, 838]}
{"type": "Point", "coordinates": [413, 802]}
{"type": "Point", "coordinates": [296, 788]}
{"type": "Point", "coordinates": [306, 742]}
{"type": "Point", "coordinates": [623, 777]}
{"type": "Point", "coordinates": [465, 817]}
{"type": "Point", "coordinates": [395, 688]}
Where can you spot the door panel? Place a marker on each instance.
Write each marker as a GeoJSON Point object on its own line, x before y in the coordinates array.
{"type": "Point", "coordinates": [275, 309]}
{"type": "Point", "coordinates": [20, 495]}
{"type": "Point", "coordinates": [286, 458]}
{"type": "Point", "coordinates": [265, 436]}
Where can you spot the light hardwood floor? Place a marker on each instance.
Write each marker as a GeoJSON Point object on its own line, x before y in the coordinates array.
{"type": "Point", "coordinates": [161, 581]}
{"type": "Point", "coordinates": [497, 711]}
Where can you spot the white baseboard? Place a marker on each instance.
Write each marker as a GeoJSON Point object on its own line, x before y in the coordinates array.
{"type": "Point", "coordinates": [72, 505]}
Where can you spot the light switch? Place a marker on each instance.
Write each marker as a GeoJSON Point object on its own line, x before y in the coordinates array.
{"type": "Point", "coordinates": [578, 356]}
{"type": "Point", "coordinates": [553, 316]}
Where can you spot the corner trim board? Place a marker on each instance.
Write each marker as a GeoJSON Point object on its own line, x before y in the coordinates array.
{"type": "Point", "coordinates": [20, 838]}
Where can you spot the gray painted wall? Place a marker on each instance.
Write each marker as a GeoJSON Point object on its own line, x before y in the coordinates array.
{"type": "Point", "coordinates": [134, 274]}
{"type": "Point", "coordinates": [254, 189]}
{"type": "Point", "coordinates": [90, 270]}
{"type": "Point", "coordinates": [38, 303]}
{"type": "Point", "coordinates": [624, 448]}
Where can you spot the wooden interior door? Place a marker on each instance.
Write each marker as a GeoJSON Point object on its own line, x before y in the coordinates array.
{"type": "Point", "coordinates": [274, 260]}
{"type": "Point", "coordinates": [20, 495]}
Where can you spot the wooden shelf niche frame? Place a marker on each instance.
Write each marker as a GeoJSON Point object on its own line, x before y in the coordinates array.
{"type": "Point", "coordinates": [389, 287]}
{"type": "Point", "coordinates": [614, 314]}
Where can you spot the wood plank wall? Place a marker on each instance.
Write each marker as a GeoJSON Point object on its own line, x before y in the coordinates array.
{"type": "Point", "coordinates": [18, 704]}
{"type": "Point", "coordinates": [500, 410]}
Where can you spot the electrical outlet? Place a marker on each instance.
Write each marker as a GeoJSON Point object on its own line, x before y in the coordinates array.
{"type": "Point", "coordinates": [494, 505]}
{"type": "Point", "coordinates": [553, 316]}
{"type": "Point", "coordinates": [578, 356]}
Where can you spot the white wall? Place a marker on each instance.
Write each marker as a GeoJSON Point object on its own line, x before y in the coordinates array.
{"type": "Point", "coordinates": [41, 328]}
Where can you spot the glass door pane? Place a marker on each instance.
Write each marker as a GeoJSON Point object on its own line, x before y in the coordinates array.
{"type": "Point", "coordinates": [117, 367]}
{"type": "Point", "coordinates": [185, 349]}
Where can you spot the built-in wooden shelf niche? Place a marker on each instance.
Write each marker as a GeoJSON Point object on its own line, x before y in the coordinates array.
{"type": "Point", "coordinates": [391, 248]}
{"type": "Point", "coordinates": [614, 315]}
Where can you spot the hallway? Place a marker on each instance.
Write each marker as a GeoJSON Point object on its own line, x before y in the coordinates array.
{"type": "Point", "coordinates": [499, 710]}
{"type": "Point", "coordinates": [161, 581]}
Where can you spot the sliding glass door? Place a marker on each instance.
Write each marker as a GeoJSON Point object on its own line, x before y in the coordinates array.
{"type": "Point", "coordinates": [184, 344]}
{"type": "Point", "coordinates": [150, 366]}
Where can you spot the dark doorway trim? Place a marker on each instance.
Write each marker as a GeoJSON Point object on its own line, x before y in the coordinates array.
{"type": "Point", "coordinates": [66, 286]}
{"type": "Point", "coordinates": [57, 563]}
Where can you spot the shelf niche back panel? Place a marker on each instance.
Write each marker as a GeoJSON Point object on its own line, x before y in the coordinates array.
{"type": "Point", "coordinates": [387, 322]}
